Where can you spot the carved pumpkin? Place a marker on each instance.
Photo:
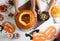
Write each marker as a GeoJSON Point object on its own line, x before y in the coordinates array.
{"type": "Point", "coordinates": [25, 19]}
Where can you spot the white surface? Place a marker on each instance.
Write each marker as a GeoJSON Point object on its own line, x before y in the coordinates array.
{"type": "Point", "coordinates": [21, 2]}
{"type": "Point", "coordinates": [3, 36]}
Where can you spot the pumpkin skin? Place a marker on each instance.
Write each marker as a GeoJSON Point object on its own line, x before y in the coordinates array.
{"type": "Point", "coordinates": [56, 11]}
{"type": "Point", "coordinates": [9, 27]}
{"type": "Point", "coordinates": [21, 24]}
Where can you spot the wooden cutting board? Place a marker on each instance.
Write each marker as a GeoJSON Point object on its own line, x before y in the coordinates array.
{"type": "Point", "coordinates": [27, 6]}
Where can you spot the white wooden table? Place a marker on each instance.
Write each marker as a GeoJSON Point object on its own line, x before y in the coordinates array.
{"type": "Point", "coordinates": [3, 36]}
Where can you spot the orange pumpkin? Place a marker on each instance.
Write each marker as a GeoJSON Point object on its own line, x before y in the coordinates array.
{"type": "Point", "coordinates": [46, 35]}
{"type": "Point", "coordinates": [56, 11]}
{"type": "Point", "coordinates": [25, 19]}
{"type": "Point", "coordinates": [9, 27]}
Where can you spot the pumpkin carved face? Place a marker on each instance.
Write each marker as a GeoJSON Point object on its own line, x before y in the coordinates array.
{"type": "Point", "coordinates": [25, 19]}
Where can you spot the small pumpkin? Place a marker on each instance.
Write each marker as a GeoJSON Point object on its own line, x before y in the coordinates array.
{"type": "Point", "coordinates": [25, 19]}
{"type": "Point", "coordinates": [55, 11]}
{"type": "Point", "coordinates": [44, 16]}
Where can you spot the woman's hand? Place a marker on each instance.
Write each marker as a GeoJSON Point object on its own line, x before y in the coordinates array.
{"type": "Point", "coordinates": [51, 5]}
{"type": "Point", "coordinates": [34, 12]}
{"type": "Point", "coordinates": [16, 6]}
{"type": "Point", "coordinates": [33, 7]}
{"type": "Point", "coordinates": [38, 5]}
{"type": "Point", "coordinates": [33, 4]}
{"type": "Point", "coordinates": [50, 12]}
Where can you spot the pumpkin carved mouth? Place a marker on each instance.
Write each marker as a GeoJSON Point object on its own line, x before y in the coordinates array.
{"type": "Point", "coordinates": [26, 18]}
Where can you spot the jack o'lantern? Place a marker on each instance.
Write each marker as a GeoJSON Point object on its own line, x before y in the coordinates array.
{"type": "Point", "coordinates": [25, 19]}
